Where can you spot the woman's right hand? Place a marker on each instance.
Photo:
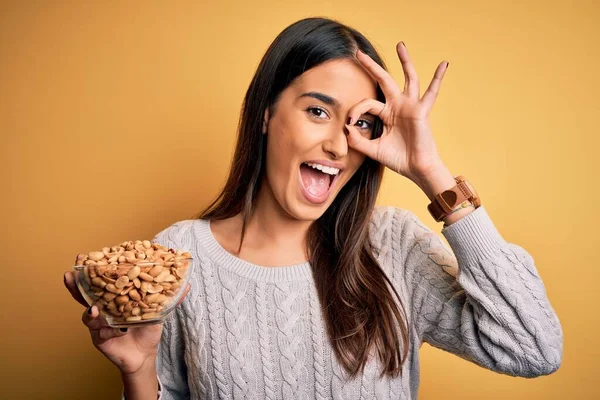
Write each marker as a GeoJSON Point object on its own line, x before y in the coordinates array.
{"type": "Point", "coordinates": [131, 350]}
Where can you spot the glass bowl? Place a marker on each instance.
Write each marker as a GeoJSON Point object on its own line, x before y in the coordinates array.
{"type": "Point", "coordinates": [134, 294]}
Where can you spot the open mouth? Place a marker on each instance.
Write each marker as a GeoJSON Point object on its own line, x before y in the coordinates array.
{"type": "Point", "coordinates": [317, 182]}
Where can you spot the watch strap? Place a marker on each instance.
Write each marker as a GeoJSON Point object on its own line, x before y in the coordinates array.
{"type": "Point", "coordinates": [447, 201]}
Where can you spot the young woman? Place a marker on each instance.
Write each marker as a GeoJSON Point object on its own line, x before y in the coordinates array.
{"type": "Point", "coordinates": [303, 288]}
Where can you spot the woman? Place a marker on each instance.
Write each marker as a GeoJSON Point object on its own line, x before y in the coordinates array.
{"type": "Point", "coordinates": [305, 289]}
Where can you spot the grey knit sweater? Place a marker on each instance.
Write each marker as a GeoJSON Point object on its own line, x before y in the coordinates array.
{"type": "Point", "coordinates": [250, 332]}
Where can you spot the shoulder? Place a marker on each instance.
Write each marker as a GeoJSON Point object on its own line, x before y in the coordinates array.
{"type": "Point", "coordinates": [400, 233]}
{"type": "Point", "coordinates": [401, 221]}
{"type": "Point", "coordinates": [176, 234]}
{"type": "Point", "coordinates": [384, 227]}
{"type": "Point", "coordinates": [400, 229]}
{"type": "Point", "coordinates": [386, 219]}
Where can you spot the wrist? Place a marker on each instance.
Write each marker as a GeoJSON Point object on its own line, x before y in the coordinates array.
{"type": "Point", "coordinates": [465, 208]}
{"type": "Point", "coordinates": [148, 365]}
{"type": "Point", "coordinates": [436, 181]}
{"type": "Point", "coordinates": [142, 384]}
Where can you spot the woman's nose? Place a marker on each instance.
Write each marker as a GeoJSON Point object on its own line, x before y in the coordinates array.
{"type": "Point", "coordinates": [337, 143]}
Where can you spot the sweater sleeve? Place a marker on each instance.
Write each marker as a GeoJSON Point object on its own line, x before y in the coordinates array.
{"type": "Point", "coordinates": [482, 300]}
{"type": "Point", "coordinates": [171, 368]}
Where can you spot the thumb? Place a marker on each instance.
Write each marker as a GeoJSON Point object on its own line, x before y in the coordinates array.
{"type": "Point", "coordinates": [359, 142]}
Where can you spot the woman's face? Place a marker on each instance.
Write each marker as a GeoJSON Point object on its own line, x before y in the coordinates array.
{"type": "Point", "coordinates": [308, 125]}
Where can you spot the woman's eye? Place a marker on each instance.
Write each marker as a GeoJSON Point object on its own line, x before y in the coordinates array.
{"type": "Point", "coordinates": [317, 112]}
{"type": "Point", "coordinates": [367, 124]}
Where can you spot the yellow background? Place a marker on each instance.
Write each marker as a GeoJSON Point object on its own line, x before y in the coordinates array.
{"type": "Point", "coordinates": [119, 118]}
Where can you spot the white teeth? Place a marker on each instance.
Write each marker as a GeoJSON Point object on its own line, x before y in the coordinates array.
{"type": "Point", "coordinates": [327, 170]}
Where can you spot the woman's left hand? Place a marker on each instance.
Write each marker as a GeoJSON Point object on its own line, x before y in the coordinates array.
{"type": "Point", "coordinates": [406, 145]}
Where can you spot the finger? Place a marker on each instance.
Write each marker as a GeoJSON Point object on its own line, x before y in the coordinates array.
{"type": "Point", "coordinates": [388, 86]}
{"type": "Point", "coordinates": [98, 326]}
{"type": "Point", "coordinates": [370, 106]}
{"type": "Point", "coordinates": [434, 87]}
{"type": "Point", "coordinates": [69, 281]}
{"type": "Point", "coordinates": [92, 318]}
{"type": "Point", "coordinates": [361, 143]}
{"type": "Point", "coordinates": [107, 333]}
{"type": "Point", "coordinates": [411, 79]}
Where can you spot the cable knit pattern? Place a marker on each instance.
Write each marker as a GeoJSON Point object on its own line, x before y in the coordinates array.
{"type": "Point", "coordinates": [288, 298]}
{"type": "Point", "coordinates": [215, 310]}
{"type": "Point", "coordinates": [251, 332]}
{"type": "Point", "coordinates": [263, 319]}
{"type": "Point", "coordinates": [237, 311]}
{"type": "Point", "coordinates": [192, 315]}
{"type": "Point", "coordinates": [342, 387]}
{"type": "Point", "coordinates": [318, 344]}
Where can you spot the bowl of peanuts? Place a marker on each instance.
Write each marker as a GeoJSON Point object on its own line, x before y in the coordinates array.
{"type": "Point", "coordinates": [134, 283]}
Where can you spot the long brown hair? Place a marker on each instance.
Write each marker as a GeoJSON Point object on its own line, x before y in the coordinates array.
{"type": "Point", "coordinates": [355, 294]}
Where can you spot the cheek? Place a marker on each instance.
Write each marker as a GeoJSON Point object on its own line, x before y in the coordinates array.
{"type": "Point", "coordinates": [288, 139]}
{"type": "Point", "coordinates": [284, 150]}
{"type": "Point", "coordinates": [356, 158]}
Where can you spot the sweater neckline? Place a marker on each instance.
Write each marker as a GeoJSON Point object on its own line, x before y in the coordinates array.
{"type": "Point", "coordinates": [245, 268]}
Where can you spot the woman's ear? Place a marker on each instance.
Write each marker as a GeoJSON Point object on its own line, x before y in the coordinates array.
{"type": "Point", "coordinates": [265, 121]}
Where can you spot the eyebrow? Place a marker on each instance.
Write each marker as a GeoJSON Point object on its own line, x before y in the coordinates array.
{"type": "Point", "coordinates": [323, 97]}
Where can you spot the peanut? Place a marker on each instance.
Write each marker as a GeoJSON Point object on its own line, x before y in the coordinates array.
{"type": "Point", "coordinates": [155, 271]}
{"type": "Point", "coordinates": [108, 296]}
{"type": "Point", "coordinates": [126, 290]}
{"type": "Point", "coordinates": [155, 288]}
{"type": "Point", "coordinates": [98, 282]}
{"type": "Point", "coordinates": [151, 298]}
{"type": "Point", "coordinates": [122, 281]}
{"type": "Point", "coordinates": [134, 272]}
{"type": "Point", "coordinates": [96, 255]}
{"type": "Point", "coordinates": [144, 287]}
{"type": "Point", "coordinates": [112, 288]}
{"type": "Point", "coordinates": [135, 295]}
{"type": "Point", "coordinates": [146, 277]}
{"type": "Point", "coordinates": [162, 276]}
{"type": "Point", "coordinates": [128, 306]}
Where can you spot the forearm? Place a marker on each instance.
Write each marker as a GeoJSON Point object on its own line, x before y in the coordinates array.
{"type": "Point", "coordinates": [143, 384]}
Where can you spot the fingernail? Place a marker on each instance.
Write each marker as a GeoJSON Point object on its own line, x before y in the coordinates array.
{"type": "Point", "coordinates": [123, 329]}
{"type": "Point", "coordinates": [403, 44]}
{"type": "Point", "coordinates": [89, 310]}
{"type": "Point", "coordinates": [447, 64]}
{"type": "Point", "coordinates": [349, 121]}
